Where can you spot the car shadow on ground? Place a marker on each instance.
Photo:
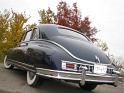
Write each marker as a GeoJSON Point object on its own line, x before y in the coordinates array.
{"type": "Point", "coordinates": [49, 85]}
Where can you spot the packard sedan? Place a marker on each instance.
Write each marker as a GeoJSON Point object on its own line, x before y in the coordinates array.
{"type": "Point", "coordinates": [61, 53]}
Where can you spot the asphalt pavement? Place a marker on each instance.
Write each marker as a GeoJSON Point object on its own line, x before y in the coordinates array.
{"type": "Point", "coordinates": [14, 81]}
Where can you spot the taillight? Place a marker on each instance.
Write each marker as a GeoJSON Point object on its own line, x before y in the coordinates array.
{"type": "Point", "coordinates": [69, 65]}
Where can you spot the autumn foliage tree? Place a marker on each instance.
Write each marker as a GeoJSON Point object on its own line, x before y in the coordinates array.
{"type": "Point", "coordinates": [11, 29]}
{"type": "Point", "coordinates": [30, 26]}
{"type": "Point", "coordinates": [4, 24]}
{"type": "Point", "coordinates": [16, 28]}
{"type": "Point", "coordinates": [47, 16]}
{"type": "Point", "coordinates": [69, 17]}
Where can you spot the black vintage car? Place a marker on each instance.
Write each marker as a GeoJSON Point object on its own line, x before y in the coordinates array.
{"type": "Point", "coordinates": [62, 53]}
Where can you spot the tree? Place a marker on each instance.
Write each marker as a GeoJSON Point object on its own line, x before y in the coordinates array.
{"type": "Point", "coordinates": [63, 14]}
{"type": "Point", "coordinates": [75, 17]}
{"type": "Point", "coordinates": [102, 45]}
{"type": "Point", "coordinates": [47, 16]}
{"type": "Point", "coordinates": [69, 17]}
{"type": "Point", "coordinates": [30, 26]}
{"type": "Point", "coordinates": [4, 24]}
{"type": "Point", "coordinates": [16, 28]}
{"type": "Point", "coordinates": [11, 29]}
{"type": "Point", "coordinates": [118, 62]}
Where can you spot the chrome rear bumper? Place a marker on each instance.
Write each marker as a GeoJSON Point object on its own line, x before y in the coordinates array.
{"type": "Point", "coordinates": [75, 76]}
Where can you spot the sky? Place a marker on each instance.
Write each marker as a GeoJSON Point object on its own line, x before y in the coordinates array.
{"type": "Point", "coordinates": [106, 15]}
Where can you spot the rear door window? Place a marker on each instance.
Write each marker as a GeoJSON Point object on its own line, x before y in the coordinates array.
{"type": "Point", "coordinates": [35, 34]}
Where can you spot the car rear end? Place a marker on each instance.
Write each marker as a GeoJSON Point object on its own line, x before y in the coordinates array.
{"type": "Point", "coordinates": [93, 73]}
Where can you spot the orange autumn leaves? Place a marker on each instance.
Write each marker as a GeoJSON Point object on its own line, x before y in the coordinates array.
{"type": "Point", "coordinates": [70, 17]}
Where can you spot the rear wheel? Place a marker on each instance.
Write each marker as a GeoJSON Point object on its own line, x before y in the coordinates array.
{"type": "Point", "coordinates": [7, 65]}
{"type": "Point", "coordinates": [88, 86]}
{"type": "Point", "coordinates": [32, 78]}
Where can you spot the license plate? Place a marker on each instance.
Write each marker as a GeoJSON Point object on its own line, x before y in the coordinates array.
{"type": "Point", "coordinates": [100, 69]}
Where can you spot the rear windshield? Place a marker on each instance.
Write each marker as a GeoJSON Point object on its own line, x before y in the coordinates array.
{"type": "Point", "coordinates": [71, 33]}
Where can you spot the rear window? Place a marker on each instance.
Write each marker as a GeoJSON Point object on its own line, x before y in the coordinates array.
{"type": "Point", "coordinates": [71, 33]}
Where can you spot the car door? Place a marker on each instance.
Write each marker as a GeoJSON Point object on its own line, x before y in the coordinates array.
{"type": "Point", "coordinates": [23, 46]}
{"type": "Point", "coordinates": [18, 54]}
{"type": "Point", "coordinates": [31, 52]}
{"type": "Point", "coordinates": [21, 49]}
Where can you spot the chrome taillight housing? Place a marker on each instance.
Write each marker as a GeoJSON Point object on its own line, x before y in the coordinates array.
{"type": "Point", "coordinates": [67, 65]}
{"type": "Point", "coordinates": [73, 66]}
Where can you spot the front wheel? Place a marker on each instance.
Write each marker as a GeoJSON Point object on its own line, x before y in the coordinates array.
{"type": "Point", "coordinates": [32, 78]}
{"type": "Point", "coordinates": [7, 65]}
{"type": "Point", "coordinates": [88, 86]}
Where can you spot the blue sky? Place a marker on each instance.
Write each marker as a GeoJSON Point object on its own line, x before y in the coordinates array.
{"type": "Point", "coordinates": [106, 15]}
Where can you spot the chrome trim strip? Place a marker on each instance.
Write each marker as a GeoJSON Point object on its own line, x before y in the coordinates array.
{"type": "Point", "coordinates": [71, 53]}
{"type": "Point", "coordinates": [101, 81]}
{"type": "Point", "coordinates": [59, 71]}
{"type": "Point", "coordinates": [58, 77]}
{"type": "Point", "coordinates": [21, 63]}
{"type": "Point", "coordinates": [25, 67]}
{"type": "Point", "coordinates": [65, 75]}
{"type": "Point", "coordinates": [98, 75]}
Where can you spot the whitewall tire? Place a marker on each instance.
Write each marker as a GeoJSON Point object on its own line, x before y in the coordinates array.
{"type": "Point", "coordinates": [32, 78]}
{"type": "Point", "coordinates": [6, 64]}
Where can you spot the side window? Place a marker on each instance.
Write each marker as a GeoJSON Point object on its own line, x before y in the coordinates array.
{"type": "Point", "coordinates": [27, 36]}
{"type": "Point", "coordinates": [35, 34]}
